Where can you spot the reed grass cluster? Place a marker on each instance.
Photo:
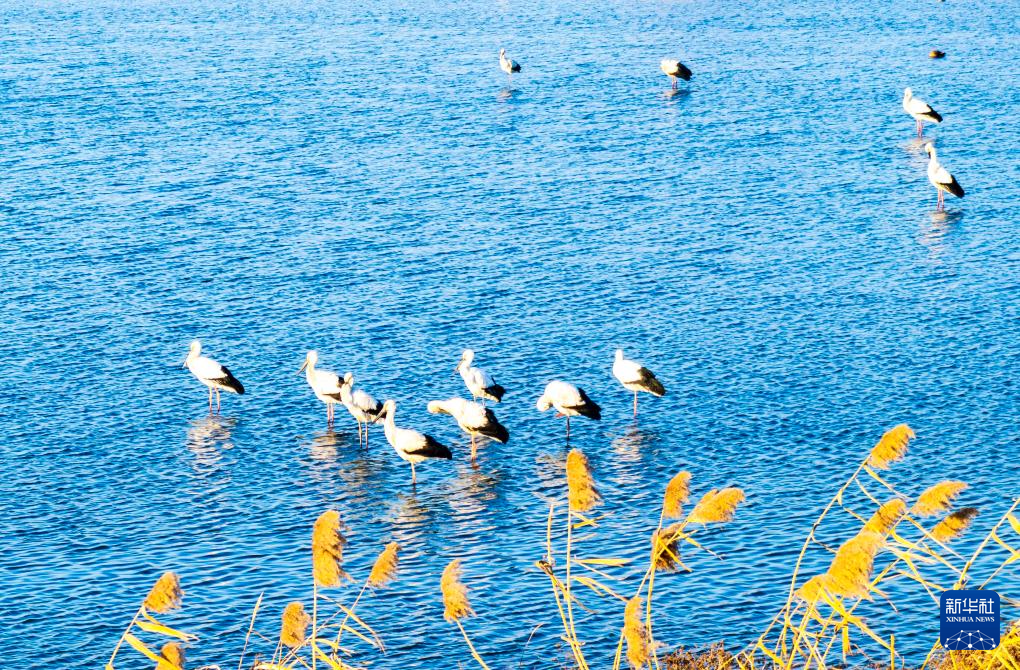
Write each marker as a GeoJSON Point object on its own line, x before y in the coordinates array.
{"type": "Point", "coordinates": [582, 494]}
{"type": "Point", "coordinates": [165, 595]}
{"type": "Point", "coordinates": [817, 628]}
{"type": "Point", "coordinates": [328, 544]}
{"type": "Point", "coordinates": [171, 657]}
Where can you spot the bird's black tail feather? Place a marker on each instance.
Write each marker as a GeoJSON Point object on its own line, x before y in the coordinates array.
{"type": "Point", "coordinates": [432, 449]}
{"type": "Point", "coordinates": [232, 383]}
{"type": "Point", "coordinates": [494, 428]}
{"type": "Point", "coordinates": [496, 391]}
{"type": "Point", "coordinates": [955, 188]}
{"type": "Point", "coordinates": [588, 407]}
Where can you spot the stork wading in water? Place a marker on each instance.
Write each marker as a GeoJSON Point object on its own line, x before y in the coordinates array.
{"type": "Point", "coordinates": [478, 382]}
{"type": "Point", "coordinates": [473, 418]}
{"type": "Point", "coordinates": [212, 374]}
{"type": "Point", "coordinates": [941, 179]}
{"type": "Point", "coordinates": [410, 445]}
{"type": "Point", "coordinates": [636, 377]}
{"type": "Point", "coordinates": [363, 407]}
{"type": "Point", "coordinates": [509, 66]}
{"type": "Point", "coordinates": [920, 110]}
{"type": "Point", "coordinates": [675, 70]}
{"type": "Point", "coordinates": [568, 400]}
{"type": "Point", "coordinates": [325, 384]}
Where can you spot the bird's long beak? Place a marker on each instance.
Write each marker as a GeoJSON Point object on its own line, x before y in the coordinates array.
{"type": "Point", "coordinates": [184, 363]}
{"type": "Point", "coordinates": [303, 366]}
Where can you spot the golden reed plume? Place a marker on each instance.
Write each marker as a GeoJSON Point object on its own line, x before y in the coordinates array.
{"type": "Point", "coordinates": [294, 624]}
{"type": "Point", "coordinates": [716, 506]}
{"type": "Point", "coordinates": [666, 545]}
{"type": "Point", "coordinates": [581, 493]}
{"type": "Point", "coordinates": [813, 588]}
{"type": "Point", "coordinates": [327, 549]}
{"type": "Point", "coordinates": [938, 498]}
{"type": "Point", "coordinates": [171, 657]}
{"type": "Point", "coordinates": [886, 517]}
{"type": "Point", "coordinates": [635, 634]}
{"type": "Point", "coordinates": [891, 448]}
{"type": "Point", "coordinates": [677, 492]}
{"type": "Point", "coordinates": [455, 600]}
{"type": "Point", "coordinates": [384, 570]}
{"type": "Point", "coordinates": [953, 525]}
{"type": "Point", "coordinates": [849, 574]}
{"type": "Point", "coordinates": [165, 594]}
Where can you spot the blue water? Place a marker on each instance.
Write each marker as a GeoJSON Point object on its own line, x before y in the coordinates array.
{"type": "Point", "coordinates": [273, 177]}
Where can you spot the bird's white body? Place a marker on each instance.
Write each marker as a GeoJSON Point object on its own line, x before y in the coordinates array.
{"type": "Point", "coordinates": [940, 177]}
{"type": "Point", "coordinates": [363, 407]}
{"type": "Point", "coordinates": [569, 401]}
{"type": "Point", "coordinates": [211, 374]}
{"type": "Point", "coordinates": [636, 377]}
{"type": "Point", "coordinates": [410, 445]}
{"type": "Point", "coordinates": [675, 70]}
{"type": "Point", "coordinates": [325, 384]}
{"type": "Point", "coordinates": [478, 382]}
{"type": "Point", "coordinates": [508, 65]}
{"type": "Point", "coordinates": [920, 110]}
{"type": "Point", "coordinates": [472, 417]}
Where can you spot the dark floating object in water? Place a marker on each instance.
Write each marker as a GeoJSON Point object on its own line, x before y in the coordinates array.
{"type": "Point", "coordinates": [935, 53]}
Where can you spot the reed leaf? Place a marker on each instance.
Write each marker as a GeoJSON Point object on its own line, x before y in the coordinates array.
{"type": "Point", "coordinates": [140, 647]}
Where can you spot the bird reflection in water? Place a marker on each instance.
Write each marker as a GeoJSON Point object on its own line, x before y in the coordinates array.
{"type": "Point", "coordinates": [208, 437]}
{"type": "Point", "coordinates": [469, 493]}
{"type": "Point", "coordinates": [630, 448]}
{"type": "Point", "coordinates": [323, 445]}
{"type": "Point", "coordinates": [676, 94]}
{"type": "Point", "coordinates": [508, 94]}
{"type": "Point", "coordinates": [933, 236]}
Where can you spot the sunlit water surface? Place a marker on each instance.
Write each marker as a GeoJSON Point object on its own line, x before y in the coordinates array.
{"type": "Point", "coordinates": [274, 177]}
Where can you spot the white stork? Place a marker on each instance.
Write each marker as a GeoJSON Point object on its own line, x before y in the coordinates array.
{"type": "Point", "coordinates": [569, 401]}
{"type": "Point", "coordinates": [636, 377]}
{"type": "Point", "coordinates": [212, 374]}
{"type": "Point", "coordinates": [919, 109]}
{"type": "Point", "coordinates": [941, 179]}
{"type": "Point", "coordinates": [410, 445]}
{"type": "Point", "coordinates": [675, 70]}
{"type": "Point", "coordinates": [363, 407]}
{"type": "Point", "coordinates": [473, 418]}
{"type": "Point", "coordinates": [325, 384]}
{"type": "Point", "coordinates": [509, 66]}
{"type": "Point", "coordinates": [480, 383]}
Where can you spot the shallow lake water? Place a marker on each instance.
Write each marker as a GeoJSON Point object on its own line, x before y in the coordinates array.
{"type": "Point", "coordinates": [274, 177]}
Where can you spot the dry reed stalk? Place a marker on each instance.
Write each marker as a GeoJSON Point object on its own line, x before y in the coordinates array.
{"type": "Point", "coordinates": [384, 570]}
{"type": "Point", "coordinates": [716, 506]}
{"type": "Point", "coordinates": [891, 448]}
{"type": "Point", "coordinates": [938, 498]}
{"type": "Point", "coordinates": [666, 548]}
{"type": "Point", "coordinates": [849, 574]}
{"type": "Point", "coordinates": [294, 625]}
{"type": "Point", "coordinates": [714, 657]}
{"type": "Point", "coordinates": [677, 492]}
{"type": "Point", "coordinates": [171, 657]}
{"type": "Point", "coordinates": [886, 517]}
{"type": "Point", "coordinates": [581, 492]}
{"type": "Point", "coordinates": [635, 635]}
{"type": "Point", "coordinates": [954, 524]}
{"type": "Point", "coordinates": [165, 594]}
{"type": "Point", "coordinates": [455, 600]}
{"type": "Point", "coordinates": [327, 549]}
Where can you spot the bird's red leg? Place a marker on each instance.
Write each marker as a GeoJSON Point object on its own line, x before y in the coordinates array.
{"type": "Point", "coordinates": [635, 404]}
